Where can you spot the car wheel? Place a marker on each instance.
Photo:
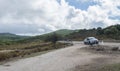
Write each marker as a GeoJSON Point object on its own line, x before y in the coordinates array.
{"type": "Point", "coordinates": [97, 42]}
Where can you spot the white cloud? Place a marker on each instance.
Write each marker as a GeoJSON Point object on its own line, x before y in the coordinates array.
{"type": "Point", "coordinates": [42, 16]}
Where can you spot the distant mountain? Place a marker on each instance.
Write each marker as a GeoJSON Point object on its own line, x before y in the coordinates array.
{"type": "Point", "coordinates": [10, 37]}
{"type": "Point", "coordinates": [7, 35]}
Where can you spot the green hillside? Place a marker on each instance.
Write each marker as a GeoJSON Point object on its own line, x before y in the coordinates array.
{"type": "Point", "coordinates": [64, 32]}
{"type": "Point", "coordinates": [61, 33]}
{"type": "Point", "coordinates": [110, 32]}
{"type": "Point", "coordinates": [8, 38]}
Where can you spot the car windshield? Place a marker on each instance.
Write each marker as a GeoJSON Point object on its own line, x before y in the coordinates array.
{"type": "Point", "coordinates": [91, 38]}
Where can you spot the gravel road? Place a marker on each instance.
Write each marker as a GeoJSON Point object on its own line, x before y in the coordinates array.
{"type": "Point", "coordinates": [59, 60]}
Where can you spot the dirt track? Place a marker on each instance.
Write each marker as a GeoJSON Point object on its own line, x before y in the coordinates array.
{"type": "Point", "coordinates": [66, 59]}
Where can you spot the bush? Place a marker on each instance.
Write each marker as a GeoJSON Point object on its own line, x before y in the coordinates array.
{"type": "Point", "coordinates": [100, 49]}
{"type": "Point", "coordinates": [115, 48]}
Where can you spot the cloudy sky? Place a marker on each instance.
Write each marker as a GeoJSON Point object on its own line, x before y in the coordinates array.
{"type": "Point", "coordinates": [32, 17]}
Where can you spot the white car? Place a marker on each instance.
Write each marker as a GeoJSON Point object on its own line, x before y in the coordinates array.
{"type": "Point", "coordinates": [91, 41]}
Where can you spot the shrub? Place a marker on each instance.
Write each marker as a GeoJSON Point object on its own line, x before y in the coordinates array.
{"type": "Point", "coordinates": [100, 49]}
{"type": "Point", "coordinates": [115, 48]}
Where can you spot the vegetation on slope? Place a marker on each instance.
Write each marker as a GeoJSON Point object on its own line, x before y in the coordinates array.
{"type": "Point", "coordinates": [64, 32]}
{"type": "Point", "coordinates": [28, 46]}
{"type": "Point", "coordinates": [10, 37]}
{"type": "Point", "coordinates": [111, 32]}
{"type": "Point", "coordinates": [60, 33]}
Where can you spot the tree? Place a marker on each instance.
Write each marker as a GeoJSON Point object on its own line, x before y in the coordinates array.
{"type": "Point", "coordinates": [100, 31]}
{"type": "Point", "coordinates": [52, 38]}
{"type": "Point", "coordinates": [112, 32]}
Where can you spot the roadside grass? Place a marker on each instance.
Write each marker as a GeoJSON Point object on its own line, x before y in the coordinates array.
{"type": "Point", "coordinates": [113, 67]}
{"type": "Point", "coordinates": [25, 56]}
{"type": "Point", "coordinates": [23, 50]}
{"type": "Point", "coordinates": [21, 45]}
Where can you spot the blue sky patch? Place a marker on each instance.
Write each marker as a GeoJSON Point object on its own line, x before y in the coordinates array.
{"type": "Point", "coordinates": [118, 7]}
{"type": "Point", "coordinates": [81, 5]}
{"type": "Point", "coordinates": [95, 24]}
{"type": "Point", "coordinates": [114, 17]}
{"type": "Point", "coordinates": [59, 1]}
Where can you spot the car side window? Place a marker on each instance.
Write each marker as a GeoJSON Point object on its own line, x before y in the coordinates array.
{"type": "Point", "coordinates": [87, 38]}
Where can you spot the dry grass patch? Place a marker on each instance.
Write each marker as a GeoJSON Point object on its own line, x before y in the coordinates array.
{"type": "Point", "coordinates": [21, 51]}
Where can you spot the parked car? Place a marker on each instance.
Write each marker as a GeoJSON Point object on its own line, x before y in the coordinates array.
{"type": "Point", "coordinates": [91, 41]}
